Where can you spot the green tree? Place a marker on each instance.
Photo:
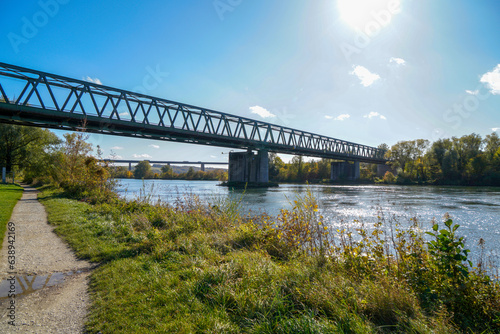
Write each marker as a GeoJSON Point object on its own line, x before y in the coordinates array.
{"type": "Point", "coordinates": [476, 167]}
{"type": "Point", "coordinates": [324, 169]}
{"type": "Point", "coordinates": [275, 164]}
{"type": "Point", "coordinates": [167, 172]}
{"type": "Point", "coordinates": [467, 147]}
{"type": "Point", "coordinates": [404, 154]}
{"type": "Point", "coordinates": [120, 172]}
{"type": "Point", "coordinates": [383, 146]}
{"type": "Point", "coordinates": [79, 173]}
{"type": "Point", "coordinates": [450, 165]}
{"type": "Point", "coordinates": [143, 170]}
{"type": "Point", "coordinates": [492, 144]}
{"type": "Point", "coordinates": [190, 173]}
{"type": "Point", "coordinates": [23, 146]}
{"type": "Point", "coordinates": [496, 162]}
{"type": "Point", "coordinates": [296, 170]}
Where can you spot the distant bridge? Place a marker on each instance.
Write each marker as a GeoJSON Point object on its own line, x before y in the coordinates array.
{"type": "Point", "coordinates": [201, 163]}
{"type": "Point", "coordinates": [34, 98]}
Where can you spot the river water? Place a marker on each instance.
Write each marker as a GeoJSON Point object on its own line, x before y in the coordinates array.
{"type": "Point", "coordinates": [476, 209]}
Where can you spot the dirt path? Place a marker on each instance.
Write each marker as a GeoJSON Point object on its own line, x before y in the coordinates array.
{"type": "Point", "coordinates": [51, 284]}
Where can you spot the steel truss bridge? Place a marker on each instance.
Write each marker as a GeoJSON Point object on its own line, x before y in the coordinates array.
{"type": "Point", "coordinates": [34, 98]}
{"type": "Point", "coordinates": [164, 162]}
{"type": "Point", "coordinates": [201, 163]}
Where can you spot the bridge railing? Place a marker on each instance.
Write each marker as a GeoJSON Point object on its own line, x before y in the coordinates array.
{"type": "Point", "coordinates": [23, 90]}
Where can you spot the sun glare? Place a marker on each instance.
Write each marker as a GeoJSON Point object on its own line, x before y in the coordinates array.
{"type": "Point", "coordinates": [360, 13]}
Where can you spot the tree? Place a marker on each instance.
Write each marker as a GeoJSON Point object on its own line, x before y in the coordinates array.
{"type": "Point", "coordinates": [383, 146]}
{"type": "Point", "coordinates": [476, 166]}
{"type": "Point", "coordinates": [324, 168]}
{"type": "Point", "coordinates": [120, 172]}
{"type": "Point", "coordinates": [492, 144]}
{"type": "Point", "coordinates": [23, 146]}
{"type": "Point", "coordinates": [190, 173]}
{"type": "Point", "coordinates": [143, 170]}
{"type": "Point", "coordinates": [496, 161]}
{"type": "Point", "coordinates": [405, 153]}
{"type": "Point", "coordinates": [79, 173]}
{"type": "Point", "coordinates": [275, 164]}
{"type": "Point", "coordinates": [74, 153]}
{"type": "Point", "coordinates": [467, 147]}
{"type": "Point", "coordinates": [450, 165]}
{"type": "Point", "coordinates": [167, 172]}
{"type": "Point", "coordinates": [296, 171]}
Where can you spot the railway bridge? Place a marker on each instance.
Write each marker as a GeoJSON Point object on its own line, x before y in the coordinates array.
{"type": "Point", "coordinates": [34, 98]}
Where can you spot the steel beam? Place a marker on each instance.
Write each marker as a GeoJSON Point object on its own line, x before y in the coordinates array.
{"type": "Point", "coordinates": [35, 98]}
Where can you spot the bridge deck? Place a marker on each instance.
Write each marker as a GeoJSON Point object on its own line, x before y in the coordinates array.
{"type": "Point", "coordinates": [35, 98]}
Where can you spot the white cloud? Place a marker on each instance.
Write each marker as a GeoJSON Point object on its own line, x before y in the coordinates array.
{"type": "Point", "coordinates": [472, 92]}
{"type": "Point", "coordinates": [495, 129]}
{"type": "Point", "coordinates": [262, 112]}
{"type": "Point", "coordinates": [117, 148]}
{"type": "Point", "coordinates": [114, 157]}
{"type": "Point", "coordinates": [141, 156]}
{"type": "Point", "coordinates": [213, 157]}
{"type": "Point", "coordinates": [123, 114]}
{"type": "Point", "coordinates": [93, 80]}
{"type": "Point", "coordinates": [342, 117]}
{"type": "Point", "coordinates": [374, 114]}
{"type": "Point", "coordinates": [367, 78]}
{"type": "Point", "coordinates": [398, 61]}
{"type": "Point", "coordinates": [154, 146]}
{"type": "Point", "coordinates": [492, 80]}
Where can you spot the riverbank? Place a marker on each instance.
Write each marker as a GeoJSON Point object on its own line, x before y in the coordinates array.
{"type": "Point", "coordinates": [190, 267]}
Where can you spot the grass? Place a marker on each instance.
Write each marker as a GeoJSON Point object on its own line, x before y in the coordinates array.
{"type": "Point", "coordinates": [195, 268]}
{"type": "Point", "coordinates": [9, 195]}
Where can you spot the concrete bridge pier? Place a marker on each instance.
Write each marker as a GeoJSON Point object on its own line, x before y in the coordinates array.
{"type": "Point", "coordinates": [382, 169]}
{"type": "Point", "coordinates": [249, 167]}
{"type": "Point", "coordinates": [344, 170]}
{"type": "Point", "coordinates": [202, 167]}
{"type": "Point", "coordinates": [129, 166]}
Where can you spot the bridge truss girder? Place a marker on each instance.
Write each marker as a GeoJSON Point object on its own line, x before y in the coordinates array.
{"type": "Point", "coordinates": [35, 98]}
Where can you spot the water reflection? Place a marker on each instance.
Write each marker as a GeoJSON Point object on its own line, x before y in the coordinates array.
{"type": "Point", "coordinates": [475, 209]}
{"type": "Point", "coordinates": [26, 284]}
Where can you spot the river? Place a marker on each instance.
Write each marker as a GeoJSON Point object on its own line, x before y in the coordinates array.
{"type": "Point", "coordinates": [476, 209]}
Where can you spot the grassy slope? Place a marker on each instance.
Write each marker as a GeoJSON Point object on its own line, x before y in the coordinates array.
{"type": "Point", "coordinates": [171, 271]}
{"type": "Point", "coordinates": [9, 195]}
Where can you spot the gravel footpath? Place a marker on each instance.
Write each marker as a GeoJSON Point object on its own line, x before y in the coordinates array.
{"type": "Point", "coordinates": [51, 283]}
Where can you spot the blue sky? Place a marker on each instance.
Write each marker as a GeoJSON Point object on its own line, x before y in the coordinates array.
{"type": "Point", "coordinates": [367, 71]}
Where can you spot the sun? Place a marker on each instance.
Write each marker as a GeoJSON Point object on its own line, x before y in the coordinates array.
{"type": "Point", "coordinates": [360, 13]}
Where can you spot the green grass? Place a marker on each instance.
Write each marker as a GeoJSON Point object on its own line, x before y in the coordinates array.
{"type": "Point", "coordinates": [9, 195]}
{"type": "Point", "coordinates": [199, 269]}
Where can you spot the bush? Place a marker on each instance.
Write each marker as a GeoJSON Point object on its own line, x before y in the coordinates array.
{"type": "Point", "coordinates": [389, 177]}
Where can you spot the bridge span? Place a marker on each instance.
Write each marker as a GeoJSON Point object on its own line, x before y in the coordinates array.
{"type": "Point", "coordinates": [201, 163]}
{"type": "Point", "coordinates": [34, 98]}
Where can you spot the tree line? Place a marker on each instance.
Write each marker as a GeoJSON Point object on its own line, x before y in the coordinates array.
{"type": "Point", "coordinates": [466, 160]}
{"type": "Point", "coordinates": [144, 170]}
{"type": "Point", "coordinates": [42, 157]}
